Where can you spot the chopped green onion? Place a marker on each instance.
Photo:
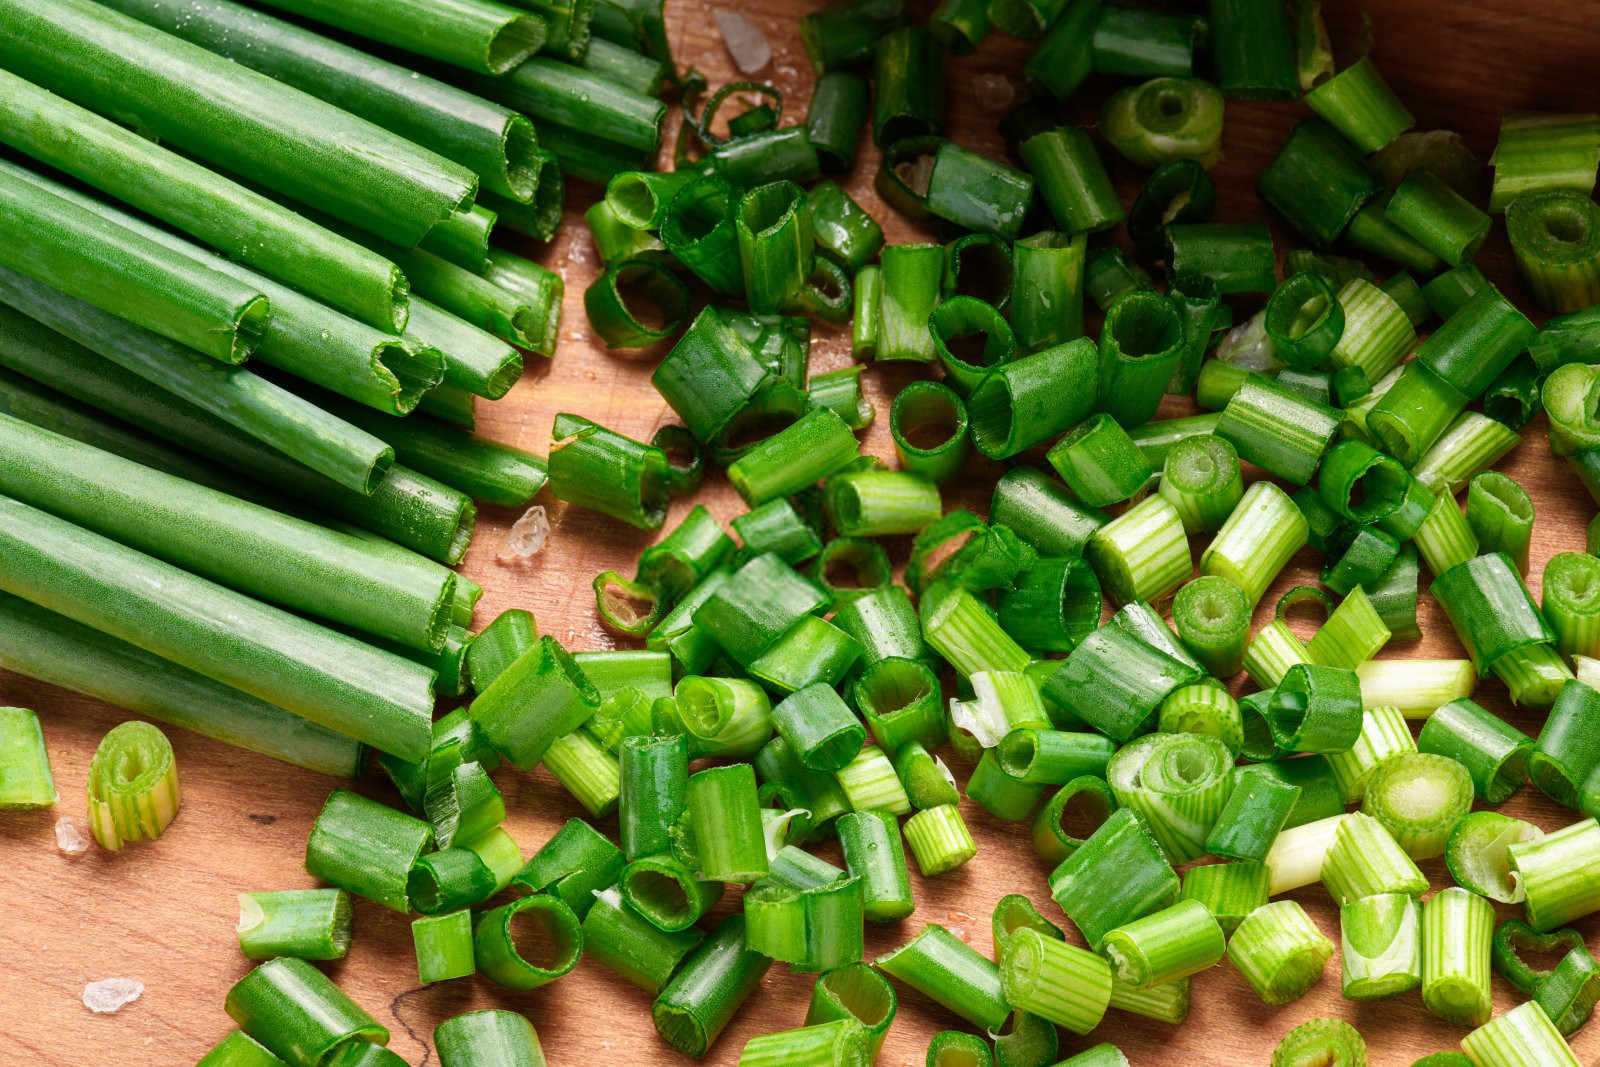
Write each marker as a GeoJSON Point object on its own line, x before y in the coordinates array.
{"type": "Point", "coordinates": [1419, 798]}
{"type": "Point", "coordinates": [1066, 985]}
{"type": "Point", "coordinates": [1384, 735]}
{"type": "Point", "coordinates": [943, 968]}
{"type": "Point", "coordinates": [1024, 402]}
{"type": "Point", "coordinates": [874, 854]}
{"type": "Point", "coordinates": [1277, 430]}
{"type": "Point", "coordinates": [1439, 218]}
{"type": "Point", "coordinates": [1477, 854]}
{"type": "Point", "coordinates": [1317, 181]}
{"type": "Point", "coordinates": [25, 779]}
{"type": "Point", "coordinates": [1555, 236]}
{"type": "Point", "coordinates": [1146, 882]}
{"type": "Point", "coordinates": [1494, 753]}
{"type": "Point", "coordinates": [870, 783]}
{"type": "Point", "coordinates": [309, 924]}
{"type": "Point", "coordinates": [1256, 811]}
{"type": "Point", "coordinates": [1099, 463]}
{"type": "Point", "coordinates": [1167, 1003]}
{"type": "Point", "coordinates": [1253, 50]}
{"type": "Point", "coordinates": [1572, 601]}
{"type": "Point", "coordinates": [939, 839]}
{"type": "Point", "coordinates": [1380, 938]}
{"type": "Point", "coordinates": [1047, 291]}
{"type": "Point", "coordinates": [1115, 680]}
{"type": "Point", "coordinates": [1201, 478]}
{"type": "Point", "coordinates": [1568, 747]}
{"type": "Point", "coordinates": [956, 1048]}
{"type": "Point", "coordinates": [491, 1036]}
{"type": "Point", "coordinates": [1230, 891]}
{"type": "Point", "coordinates": [666, 893]}
{"type": "Point", "coordinates": [1365, 859]}
{"type": "Point", "coordinates": [1165, 945]}
{"type": "Point", "coordinates": [444, 946]}
{"type": "Point", "coordinates": [1521, 1037]}
{"type": "Point", "coordinates": [1360, 104]}
{"type": "Point", "coordinates": [1142, 554]}
{"type": "Point", "coordinates": [1280, 951]}
{"type": "Point", "coordinates": [724, 813]}
{"type": "Point", "coordinates": [1473, 443]}
{"type": "Point", "coordinates": [298, 1013]}
{"type": "Point", "coordinates": [1257, 541]}
{"type": "Point", "coordinates": [1333, 1042]}
{"type": "Point", "coordinates": [1165, 119]}
{"type": "Point", "coordinates": [1071, 815]}
{"type": "Point", "coordinates": [928, 422]}
{"type": "Point", "coordinates": [132, 785]}
{"type": "Point", "coordinates": [1490, 609]}
{"type": "Point", "coordinates": [1352, 635]}
{"type": "Point", "coordinates": [1071, 179]}
{"type": "Point", "coordinates": [1536, 152]}
{"type": "Point", "coordinates": [543, 925]}
{"type": "Point", "coordinates": [1204, 707]}
{"type": "Point", "coordinates": [1297, 854]}
{"type": "Point", "coordinates": [1457, 930]}
{"type": "Point", "coordinates": [1501, 516]}
{"type": "Point", "coordinates": [708, 988]}
{"type": "Point", "coordinates": [1271, 653]}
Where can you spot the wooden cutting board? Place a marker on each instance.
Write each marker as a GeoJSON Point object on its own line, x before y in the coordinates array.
{"type": "Point", "coordinates": [164, 913]}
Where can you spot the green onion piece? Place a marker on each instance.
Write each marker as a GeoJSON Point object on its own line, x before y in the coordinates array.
{"type": "Point", "coordinates": [1014, 913]}
{"type": "Point", "coordinates": [1305, 320]}
{"type": "Point", "coordinates": [870, 783]}
{"type": "Point", "coordinates": [1380, 946]}
{"type": "Point", "coordinates": [1457, 930]}
{"type": "Point", "coordinates": [942, 967]}
{"type": "Point", "coordinates": [1114, 681]}
{"type": "Point", "coordinates": [1140, 345]}
{"type": "Point", "coordinates": [997, 792]}
{"type": "Point", "coordinates": [928, 422]}
{"type": "Point", "coordinates": [812, 928]}
{"type": "Point", "coordinates": [666, 892]}
{"type": "Point", "coordinates": [1450, 291]}
{"type": "Point", "coordinates": [1071, 815]}
{"type": "Point", "coordinates": [554, 946]}
{"type": "Point", "coordinates": [1165, 945]}
{"type": "Point", "coordinates": [1271, 653]}
{"type": "Point", "coordinates": [1024, 402]}
{"type": "Point", "coordinates": [1072, 180]}
{"type": "Point", "coordinates": [708, 989]}
{"type": "Point", "coordinates": [939, 839]}
{"type": "Point", "coordinates": [1384, 735]}
{"type": "Point", "coordinates": [907, 76]}
{"type": "Point", "coordinates": [615, 475]}
{"type": "Point", "coordinates": [1167, 1003]}
{"type": "Point", "coordinates": [815, 446]}
{"type": "Point", "coordinates": [1558, 874]}
{"type": "Point", "coordinates": [239, 1049]}
{"type": "Point", "coordinates": [1142, 554]}
{"type": "Point", "coordinates": [297, 1013]}
{"type": "Point", "coordinates": [1264, 530]}
{"type": "Point", "coordinates": [1360, 105]}
{"type": "Point", "coordinates": [854, 993]}
{"type": "Point", "coordinates": [309, 924]}
{"type": "Point", "coordinates": [1473, 443]}
{"type": "Point", "coordinates": [1165, 119]}
{"type": "Point", "coordinates": [1494, 753]}
{"type": "Point", "coordinates": [1568, 748]}
{"type": "Point", "coordinates": [1490, 608]}
{"type": "Point", "coordinates": [978, 194]}
{"type": "Point", "coordinates": [1445, 539]}
{"type": "Point", "coordinates": [1330, 1041]}
{"type": "Point", "coordinates": [1237, 256]}
{"type": "Point", "coordinates": [877, 503]}
{"type": "Point", "coordinates": [25, 779]}
{"type": "Point", "coordinates": [724, 813]}
{"type": "Point", "coordinates": [498, 645]}
{"type": "Point", "coordinates": [1255, 812]}
{"type": "Point", "coordinates": [1111, 275]}
{"type": "Point", "coordinates": [1572, 601]}
{"type": "Point", "coordinates": [1537, 152]}
{"type": "Point", "coordinates": [776, 246]}
{"type": "Point", "coordinates": [1533, 675]}
{"type": "Point", "coordinates": [1053, 604]}
{"type": "Point", "coordinates": [654, 784]}
{"type": "Point", "coordinates": [631, 609]}
{"type": "Point", "coordinates": [576, 861]}
{"type": "Point", "coordinates": [1501, 516]}
{"type": "Point", "coordinates": [1052, 757]}
{"type": "Point", "coordinates": [1212, 615]}
{"type": "Point", "coordinates": [1047, 290]}
{"type": "Point", "coordinates": [1099, 462]}
{"type": "Point", "coordinates": [1317, 181]}
{"type": "Point", "coordinates": [1477, 855]}
{"type": "Point", "coordinates": [586, 770]}
{"type": "Point", "coordinates": [777, 528]}
{"type": "Point", "coordinates": [1514, 398]}
{"type": "Point", "coordinates": [1041, 512]}
{"type": "Point", "coordinates": [1229, 891]}
{"type": "Point", "coordinates": [1568, 994]}
{"type": "Point", "coordinates": [636, 303]}
{"type": "Point", "coordinates": [874, 854]}
{"type": "Point", "coordinates": [1360, 483]}
{"type": "Point", "coordinates": [749, 613]}
{"type": "Point", "coordinates": [1353, 634]}
{"type": "Point", "coordinates": [1365, 859]}
{"type": "Point", "coordinates": [541, 696]}
{"type": "Point", "coordinates": [1280, 951]}
{"type": "Point", "coordinates": [979, 265]}
{"type": "Point", "coordinates": [1204, 707]}
{"type": "Point", "coordinates": [1556, 239]}
{"type": "Point", "coordinates": [493, 1038]}
{"type": "Point", "coordinates": [959, 627]}
{"type": "Point", "coordinates": [1178, 191]}
{"type": "Point", "coordinates": [970, 339]}
{"type": "Point", "coordinates": [900, 700]}
{"type": "Point", "coordinates": [444, 946]}
{"type": "Point", "coordinates": [838, 1041]}
{"type": "Point", "coordinates": [1513, 937]}
{"type": "Point", "coordinates": [834, 118]}
{"type": "Point", "coordinates": [819, 726]}
{"type": "Point", "coordinates": [132, 785]}
{"type": "Point", "coordinates": [1439, 218]}
{"type": "Point", "coordinates": [1419, 798]}
{"type": "Point", "coordinates": [1131, 41]}
{"type": "Point", "coordinates": [1144, 881]}
{"type": "Point", "coordinates": [1253, 50]}
{"type": "Point", "coordinates": [1058, 982]}
{"type": "Point", "coordinates": [1319, 789]}
{"type": "Point", "coordinates": [1280, 432]}
{"type": "Point", "coordinates": [1297, 855]}
{"type": "Point", "coordinates": [1524, 1036]}
{"type": "Point", "coordinates": [956, 1048]}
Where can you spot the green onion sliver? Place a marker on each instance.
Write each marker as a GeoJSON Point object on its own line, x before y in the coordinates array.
{"type": "Point", "coordinates": [1494, 753]}
{"type": "Point", "coordinates": [444, 946]}
{"type": "Point", "coordinates": [1201, 477]}
{"type": "Point", "coordinates": [132, 785]}
{"type": "Point", "coordinates": [1256, 811]}
{"type": "Point", "coordinates": [1165, 945]}
{"type": "Point", "coordinates": [1178, 783]}
{"type": "Point", "coordinates": [1142, 554]}
{"type": "Point", "coordinates": [1099, 462]}
{"type": "Point", "coordinates": [1280, 951]}
{"type": "Point", "coordinates": [1477, 854]}
{"type": "Point", "coordinates": [1204, 707]}
{"type": "Point", "coordinates": [25, 779]}
{"type": "Point", "coordinates": [1571, 601]}
{"type": "Point", "coordinates": [1229, 891]}
{"type": "Point", "coordinates": [1165, 119]}
{"type": "Point", "coordinates": [1568, 748]}
{"type": "Point", "coordinates": [1543, 151]}
{"type": "Point", "coordinates": [1360, 104]}
{"type": "Point", "coordinates": [1439, 218]}
{"type": "Point", "coordinates": [1555, 237]}
{"type": "Point", "coordinates": [1257, 540]}
{"type": "Point", "coordinates": [1332, 1042]}
{"type": "Point", "coordinates": [1380, 946]}
{"type": "Point", "coordinates": [939, 839]}
{"type": "Point", "coordinates": [1071, 815]}
{"type": "Point", "coordinates": [1490, 609]}
{"type": "Point", "coordinates": [491, 1036]}
{"type": "Point", "coordinates": [527, 943]}
{"type": "Point", "coordinates": [1416, 686]}
{"type": "Point", "coordinates": [1501, 516]}
{"type": "Point", "coordinates": [942, 967]}
{"type": "Point", "coordinates": [1146, 880]}
{"type": "Point", "coordinates": [1297, 854]}
{"type": "Point", "coordinates": [1473, 443]}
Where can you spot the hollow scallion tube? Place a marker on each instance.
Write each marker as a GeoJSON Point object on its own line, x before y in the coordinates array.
{"type": "Point", "coordinates": [1457, 929]}
{"type": "Point", "coordinates": [1212, 615]}
{"type": "Point", "coordinates": [1474, 442]}
{"type": "Point", "coordinates": [1419, 798]}
{"type": "Point", "coordinates": [1028, 400]}
{"type": "Point", "coordinates": [1204, 707]}
{"type": "Point", "coordinates": [1164, 119]}
{"type": "Point", "coordinates": [1140, 344]}
{"type": "Point", "coordinates": [1280, 951]}
{"type": "Point", "coordinates": [939, 840]}
{"type": "Point", "coordinates": [1555, 236]}
{"type": "Point", "coordinates": [1147, 882]}
{"type": "Point", "coordinates": [725, 816]}
{"type": "Point", "coordinates": [1072, 180]}
{"type": "Point", "coordinates": [1047, 290]}
{"type": "Point", "coordinates": [1229, 891]}
{"type": "Point", "coordinates": [25, 778]}
{"type": "Point", "coordinates": [1501, 516]}
{"type": "Point", "coordinates": [1572, 602]}
{"type": "Point", "coordinates": [1297, 855]}
{"type": "Point", "coordinates": [1558, 872]}
{"type": "Point", "coordinates": [1201, 477]}
{"type": "Point", "coordinates": [1353, 634]}
{"type": "Point", "coordinates": [1495, 754]}
{"type": "Point", "coordinates": [1099, 462]}
{"type": "Point", "coordinates": [310, 924]}
{"type": "Point", "coordinates": [1318, 181]}
{"type": "Point", "coordinates": [873, 853]}
{"type": "Point", "coordinates": [1254, 51]}
{"type": "Point", "coordinates": [1173, 943]}
{"type": "Point", "coordinates": [444, 946]}
{"type": "Point", "coordinates": [1490, 608]}
{"type": "Point", "coordinates": [708, 988]}
{"type": "Point", "coordinates": [942, 967]}
{"type": "Point", "coordinates": [1277, 430]}
{"type": "Point", "coordinates": [1255, 812]}
{"type": "Point", "coordinates": [1056, 981]}
{"type": "Point", "coordinates": [1521, 1037]}
{"type": "Point", "coordinates": [1071, 815]}
{"type": "Point", "coordinates": [1380, 946]}
{"type": "Point", "coordinates": [1360, 105]}
{"type": "Point", "coordinates": [1568, 747]}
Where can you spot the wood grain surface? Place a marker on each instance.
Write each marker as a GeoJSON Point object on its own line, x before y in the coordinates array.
{"type": "Point", "coordinates": [164, 913]}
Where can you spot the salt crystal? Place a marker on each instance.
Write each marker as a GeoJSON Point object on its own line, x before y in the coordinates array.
{"type": "Point", "coordinates": [69, 838]}
{"type": "Point", "coordinates": [746, 43]}
{"type": "Point", "coordinates": [110, 994]}
{"type": "Point", "coordinates": [527, 535]}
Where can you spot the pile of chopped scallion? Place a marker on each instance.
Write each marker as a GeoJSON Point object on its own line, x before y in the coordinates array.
{"type": "Point", "coordinates": [240, 346]}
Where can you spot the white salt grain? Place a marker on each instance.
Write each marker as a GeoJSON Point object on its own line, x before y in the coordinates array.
{"type": "Point", "coordinates": [111, 994]}
{"type": "Point", "coordinates": [746, 43]}
{"type": "Point", "coordinates": [69, 838]}
{"type": "Point", "coordinates": [527, 535]}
